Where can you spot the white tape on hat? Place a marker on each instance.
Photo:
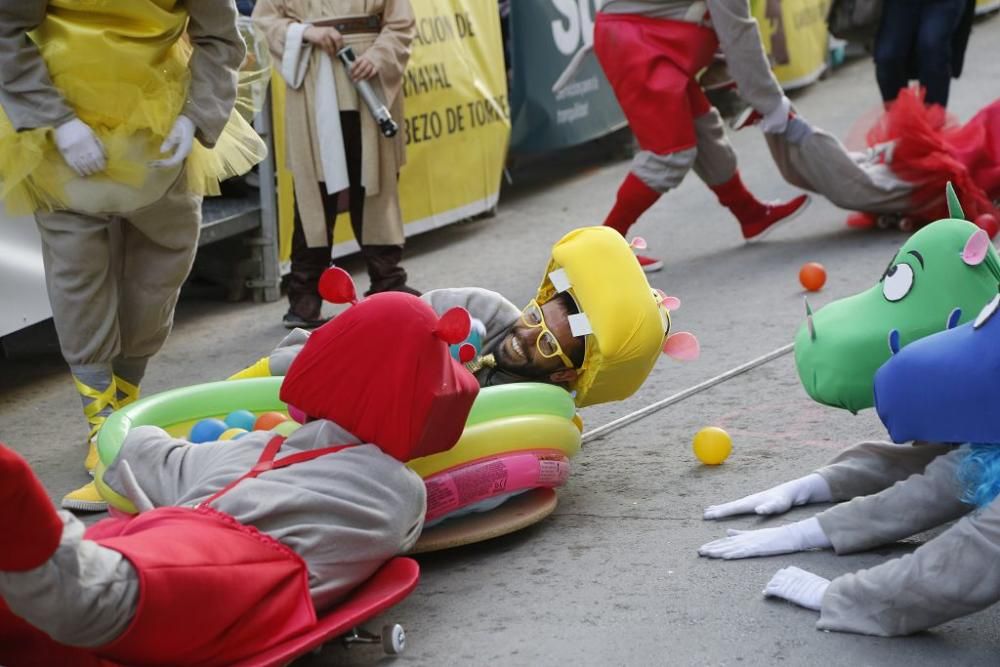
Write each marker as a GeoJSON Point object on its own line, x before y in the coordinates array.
{"type": "Point", "coordinates": [579, 325]}
{"type": "Point", "coordinates": [560, 280]}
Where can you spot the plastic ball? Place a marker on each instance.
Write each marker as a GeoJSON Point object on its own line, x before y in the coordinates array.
{"type": "Point", "coordinates": [712, 445]}
{"type": "Point", "coordinates": [232, 433]}
{"type": "Point", "coordinates": [243, 419]}
{"type": "Point", "coordinates": [207, 430]}
{"type": "Point", "coordinates": [268, 420]}
{"type": "Point", "coordinates": [286, 428]}
{"type": "Point", "coordinates": [812, 275]}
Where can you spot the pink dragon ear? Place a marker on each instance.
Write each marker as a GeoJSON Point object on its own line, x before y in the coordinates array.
{"type": "Point", "coordinates": [976, 248]}
{"type": "Point", "coordinates": [337, 286]}
{"type": "Point", "coordinates": [638, 243]}
{"type": "Point", "coordinates": [671, 302]}
{"type": "Point", "coordinates": [466, 353]}
{"type": "Point", "coordinates": [454, 326]}
{"type": "Point", "coordinates": [682, 346]}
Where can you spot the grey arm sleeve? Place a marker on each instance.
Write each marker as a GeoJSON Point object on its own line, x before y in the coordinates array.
{"type": "Point", "coordinates": [496, 312]}
{"type": "Point", "coordinates": [218, 53]}
{"type": "Point", "coordinates": [739, 37]}
{"type": "Point", "coordinates": [26, 91]}
{"type": "Point", "coordinates": [84, 595]}
{"type": "Point", "coordinates": [919, 503]}
{"type": "Point", "coordinates": [163, 466]}
{"type": "Point", "coordinates": [954, 574]}
{"type": "Point", "coordinates": [870, 467]}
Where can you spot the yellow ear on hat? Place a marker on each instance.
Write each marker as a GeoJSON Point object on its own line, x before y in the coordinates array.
{"type": "Point", "coordinates": [619, 312]}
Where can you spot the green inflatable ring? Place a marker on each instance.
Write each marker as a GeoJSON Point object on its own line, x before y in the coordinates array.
{"type": "Point", "coordinates": [503, 418]}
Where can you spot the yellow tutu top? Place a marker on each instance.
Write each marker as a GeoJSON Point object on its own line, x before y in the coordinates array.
{"type": "Point", "coordinates": [122, 66]}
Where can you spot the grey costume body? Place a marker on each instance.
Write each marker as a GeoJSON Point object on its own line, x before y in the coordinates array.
{"type": "Point", "coordinates": [815, 160]}
{"type": "Point", "coordinates": [345, 514]}
{"type": "Point", "coordinates": [713, 159]}
{"type": "Point", "coordinates": [113, 278]}
{"type": "Point", "coordinates": [496, 313]}
{"type": "Point", "coordinates": [899, 491]}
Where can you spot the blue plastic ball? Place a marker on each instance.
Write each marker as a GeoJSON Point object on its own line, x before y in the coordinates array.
{"type": "Point", "coordinates": [207, 430]}
{"type": "Point", "coordinates": [241, 419]}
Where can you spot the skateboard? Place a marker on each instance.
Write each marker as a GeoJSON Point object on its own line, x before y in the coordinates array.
{"type": "Point", "coordinates": [393, 582]}
{"type": "Point", "coordinates": [519, 512]}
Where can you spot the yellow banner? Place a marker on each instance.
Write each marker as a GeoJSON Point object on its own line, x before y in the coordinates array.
{"type": "Point", "coordinates": [795, 38]}
{"type": "Point", "coordinates": [985, 6]}
{"type": "Point", "coordinates": [457, 122]}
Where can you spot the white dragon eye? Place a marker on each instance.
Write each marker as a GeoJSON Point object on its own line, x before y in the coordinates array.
{"type": "Point", "coordinates": [987, 312]}
{"type": "Point", "coordinates": [897, 282]}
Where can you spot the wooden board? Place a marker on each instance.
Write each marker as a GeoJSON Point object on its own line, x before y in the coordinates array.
{"type": "Point", "coordinates": [517, 513]}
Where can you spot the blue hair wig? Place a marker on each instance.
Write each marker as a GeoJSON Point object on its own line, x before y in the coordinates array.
{"type": "Point", "coordinates": [979, 474]}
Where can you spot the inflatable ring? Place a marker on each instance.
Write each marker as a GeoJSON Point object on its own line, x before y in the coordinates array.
{"type": "Point", "coordinates": [514, 417]}
{"type": "Point", "coordinates": [480, 480]}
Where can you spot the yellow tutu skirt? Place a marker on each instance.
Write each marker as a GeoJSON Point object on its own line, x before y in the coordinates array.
{"type": "Point", "coordinates": [131, 106]}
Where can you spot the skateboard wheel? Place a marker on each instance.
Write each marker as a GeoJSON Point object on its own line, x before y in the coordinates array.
{"type": "Point", "coordinates": [393, 639]}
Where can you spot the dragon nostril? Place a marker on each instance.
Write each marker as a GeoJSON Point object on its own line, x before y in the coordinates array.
{"type": "Point", "coordinates": [894, 341]}
{"type": "Point", "coordinates": [954, 317]}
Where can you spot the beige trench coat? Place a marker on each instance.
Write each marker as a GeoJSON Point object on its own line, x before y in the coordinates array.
{"type": "Point", "coordinates": [383, 157]}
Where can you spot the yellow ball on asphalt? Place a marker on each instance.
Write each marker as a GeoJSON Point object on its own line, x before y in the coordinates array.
{"type": "Point", "coordinates": [712, 445]}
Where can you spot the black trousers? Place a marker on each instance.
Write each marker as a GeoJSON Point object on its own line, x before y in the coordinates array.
{"type": "Point", "coordinates": [308, 264]}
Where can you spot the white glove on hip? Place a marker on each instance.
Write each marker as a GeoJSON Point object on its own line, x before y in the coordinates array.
{"type": "Point", "coordinates": [798, 536]}
{"type": "Point", "coordinates": [796, 585]}
{"type": "Point", "coordinates": [80, 147]}
{"type": "Point", "coordinates": [179, 140]}
{"type": "Point", "coordinates": [776, 121]}
{"type": "Point", "coordinates": [777, 500]}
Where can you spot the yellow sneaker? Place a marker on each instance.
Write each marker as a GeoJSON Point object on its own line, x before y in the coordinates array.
{"type": "Point", "coordinates": [90, 463]}
{"type": "Point", "coordinates": [85, 499]}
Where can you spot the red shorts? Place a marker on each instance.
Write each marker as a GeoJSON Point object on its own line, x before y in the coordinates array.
{"type": "Point", "coordinates": [651, 65]}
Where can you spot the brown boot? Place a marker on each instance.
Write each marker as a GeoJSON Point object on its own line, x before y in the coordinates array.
{"type": "Point", "coordinates": [384, 269]}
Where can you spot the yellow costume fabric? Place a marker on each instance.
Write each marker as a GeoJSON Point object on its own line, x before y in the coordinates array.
{"type": "Point", "coordinates": [627, 320]}
{"type": "Point", "coordinates": [122, 65]}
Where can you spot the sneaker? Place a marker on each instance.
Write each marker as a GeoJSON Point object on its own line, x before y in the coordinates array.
{"type": "Point", "coordinates": [774, 213]}
{"type": "Point", "coordinates": [649, 264]}
{"type": "Point", "coordinates": [293, 321]}
{"type": "Point", "coordinates": [85, 499]}
{"type": "Point", "coordinates": [90, 463]}
{"type": "Point", "coordinates": [862, 220]}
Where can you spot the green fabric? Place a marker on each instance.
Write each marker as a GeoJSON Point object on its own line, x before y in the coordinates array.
{"type": "Point", "coordinates": [852, 334]}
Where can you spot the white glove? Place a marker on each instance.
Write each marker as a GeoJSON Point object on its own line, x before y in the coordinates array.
{"type": "Point", "coordinates": [796, 585]}
{"type": "Point", "coordinates": [798, 536]}
{"type": "Point", "coordinates": [179, 140]}
{"type": "Point", "coordinates": [80, 147]}
{"type": "Point", "coordinates": [777, 500]}
{"type": "Point", "coordinates": [776, 121]}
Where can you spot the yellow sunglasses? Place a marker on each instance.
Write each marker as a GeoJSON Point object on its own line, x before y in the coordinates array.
{"type": "Point", "coordinates": [546, 343]}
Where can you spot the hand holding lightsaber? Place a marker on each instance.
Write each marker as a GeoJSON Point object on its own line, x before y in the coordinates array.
{"type": "Point", "coordinates": [377, 107]}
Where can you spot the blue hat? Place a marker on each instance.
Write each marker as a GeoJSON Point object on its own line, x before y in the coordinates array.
{"type": "Point", "coordinates": [945, 387]}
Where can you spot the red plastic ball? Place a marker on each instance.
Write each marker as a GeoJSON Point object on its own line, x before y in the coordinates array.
{"type": "Point", "coordinates": [988, 223]}
{"type": "Point", "coordinates": [812, 275]}
{"type": "Point", "coordinates": [268, 420]}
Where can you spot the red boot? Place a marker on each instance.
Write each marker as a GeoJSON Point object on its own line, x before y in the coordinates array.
{"type": "Point", "coordinates": [634, 197]}
{"type": "Point", "coordinates": [29, 524]}
{"type": "Point", "coordinates": [756, 217]}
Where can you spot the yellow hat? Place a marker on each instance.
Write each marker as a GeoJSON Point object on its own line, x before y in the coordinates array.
{"type": "Point", "coordinates": [625, 318]}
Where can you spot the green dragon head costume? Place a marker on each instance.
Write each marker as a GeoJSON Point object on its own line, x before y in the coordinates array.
{"type": "Point", "coordinates": [941, 277]}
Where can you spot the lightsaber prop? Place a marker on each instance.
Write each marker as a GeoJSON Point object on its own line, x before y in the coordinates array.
{"type": "Point", "coordinates": [386, 124]}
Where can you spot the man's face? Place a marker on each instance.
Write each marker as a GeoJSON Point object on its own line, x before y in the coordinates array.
{"type": "Point", "coordinates": [518, 352]}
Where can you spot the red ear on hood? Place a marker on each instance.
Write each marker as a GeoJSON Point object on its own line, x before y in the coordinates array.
{"type": "Point", "coordinates": [337, 286]}
{"type": "Point", "coordinates": [454, 326]}
{"type": "Point", "coordinates": [466, 353]}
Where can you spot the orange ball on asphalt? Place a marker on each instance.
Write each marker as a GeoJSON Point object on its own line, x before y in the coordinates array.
{"type": "Point", "coordinates": [812, 275]}
{"type": "Point", "coordinates": [268, 420]}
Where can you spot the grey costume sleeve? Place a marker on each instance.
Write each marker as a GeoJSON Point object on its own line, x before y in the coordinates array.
{"type": "Point", "coordinates": [85, 595]}
{"type": "Point", "coordinates": [814, 160]}
{"type": "Point", "coordinates": [496, 312]}
{"type": "Point", "coordinates": [26, 91]}
{"type": "Point", "coordinates": [217, 56]}
{"type": "Point", "coordinates": [739, 37]}
{"type": "Point", "coordinates": [954, 574]}
{"type": "Point", "coordinates": [920, 502]}
{"type": "Point", "coordinates": [870, 467]}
